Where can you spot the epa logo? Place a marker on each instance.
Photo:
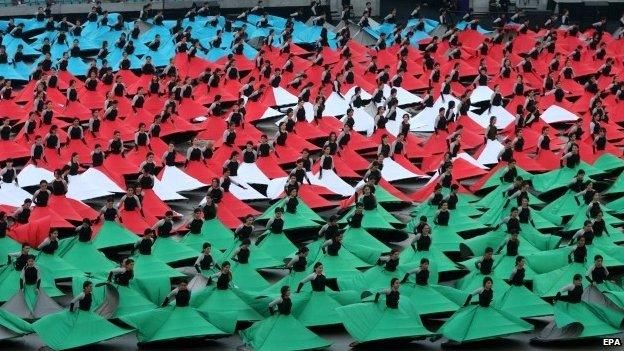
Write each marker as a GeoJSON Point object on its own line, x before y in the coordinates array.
{"type": "Point", "coordinates": [611, 342]}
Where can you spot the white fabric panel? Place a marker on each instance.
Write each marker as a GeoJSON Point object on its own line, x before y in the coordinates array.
{"type": "Point", "coordinates": [164, 192]}
{"type": "Point", "coordinates": [404, 96]}
{"type": "Point", "coordinates": [364, 122]}
{"type": "Point", "coordinates": [81, 188]}
{"type": "Point", "coordinates": [98, 177]}
{"type": "Point", "coordinates": [556, 114]}
{"type": "Point", "coordinates": [394, 126]}
{"type": "Point", "coordinates": [177, 180]}
{"type": "Point", "coordinates": [503, 117]}
{"type": "Point", "coordinates": [481, 93]}
{"type": "Point", "coordinates": [242, 194]}
{"type": "Point", "coordinates": [335, 105]}
{"type": "Point", "coordinates": [12, 195]}
{"type": "Point", "coordinates": [31, 175]}
{"type": "Point", "coordinates": [393, 171]}
{"type": "Point", "coordinates": [270, 113]}
{"type": "Point", "coordinates": [363, 94]}
{"type": "Point", "coordinates": [250, 173]}
{"type": "Point", "coordinates": [425, 119]}
{"type": "Point", "coordinates": [333, 182]}
{"type": "Point", "coordinates": [489, 155]}
{"type": "Point", "coordinates": [275, 188]}
{"type": "Point", "coordinates": [283, 97]}
{"type": "Point", "coordinates": [470, 160]}
{"type": "Point", "coordinates": [309, 113]}
{"type": "Point", "coordinates": [246, 193]}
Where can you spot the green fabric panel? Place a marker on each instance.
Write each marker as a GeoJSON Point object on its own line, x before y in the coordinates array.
{"type": "Point", "coordinates": [284, 333]}
{"type": "Point", "coordinates": [300, 220]}
{"type": "Point", "coordinates": [377, 218]}
{"type": "Point", "coordinates": [474, 322]}
{"type": "Point", "coordinates": [170, 250]}
{"type": "Point", "coordinates": [213, 232]}
{"type": "Point", "coordinates": [498, 197]}
{"type": "Point", "coordinates": [245, 277]}
{"type": "Point", "coordinates": [504, 265]}
{"type": "Point", "coordinates": [548, 284]}
{"type": "Point", "coordinates": [7, 246]}
{"type": "Point", "coordinates": [364, 252]}
{"type": "Point", "coordinates": [596, 321]}
{"type": "Point", "coordinates": [478, 244]}
{"type": "Point", "coordinates": [542, 223]}
{"type": "Point", "coordinates": [54, 267]}
{"type": "Point", "coordinates": [438, 261]}
{"type": "Point", "coordinates": [362, 244]}
{"type": "Point", "coordinates": [368, 322]}
{"type": "Point", "coordinates": [212, 300]}
{"type": "Point", "coordinates": [319, 308]}
{"type": "Point", "coordinates": [430, 299]}
{"type": "Point", "coordinates": [548, 261]}
{"type": "Point", "coordinates": [501, 208]}
{"type": "Point", "coordinates": [564, 206]}
{"type": "Point", "coordinates": [609, 286]}
{"type": "Point", "coordinates": [30, 296]}
{"type": "Point", "coordinates": [445, 238]}
{"type": "Point", "coordinates": [170, 323]}
{"type": "Point", "coordinates": [9, 281]}
{"type": "Point", "coordinates": [576, 222]}
{"type": "Point", "coordinates": [149, 266]}
{"type": "Point", "coordinates": [474, 280]}
{"type": "Point", "coordinates": [456, 296]}
{"type": "Point", "coordinates": [304, 217]}
{"type": "Point", "coordinates": [612, 317]}
{"type": "Point", "coordinates": [613, 236]}
{"type": "Point", "coordinates": [608, 162]}
{"type": "Point", "coordinates": [292, 280]}
{"type": "Point", "coordinates": [113, 234]}
{"type": "Point", "coordinates": [560, 177]}
{"type": "Point", "coordinates": [131, 301]}
{"type": "Point", "coordinates": [617, 188]}
{"type": "Point", "coordinates": [494, 197]}
{"type": "Point", "coordinates": [345, 264]}
{"type": "Point", "coordinates": [384, 197]}
{"type": "Point", "coordinates": [153, 288]}
{"type": "Point", "coordinates": [258, 258]}
{"type": "Point", "coordinates": [14, 323]}
{"type": "Point", "coordinates": [66, 330]}
{"type": "Point", "coordinates": [459, 219]}
{"type": "Point", "coordinates": [522, 303]}
{"type": "Point", "coordinates": [495, 179]}
{"type": "Point", "coordinates": [373, 279]}
{"type": "Point", "coordinates": [536, 239]}
{"type": "Point", "coordinates": [562, 318]}
{"type": "Point", "coordinates": [277, 246]}
{"type": "Point", "coordinates": [617, 205]}
{"type": "Point", "coordinates": [85, 256]}
{"type": "Point", "coordinates": [617, 297]}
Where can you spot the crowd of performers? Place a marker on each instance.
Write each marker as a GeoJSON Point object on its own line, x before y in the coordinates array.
{"type": "Point", "coordinates": [534, 129]}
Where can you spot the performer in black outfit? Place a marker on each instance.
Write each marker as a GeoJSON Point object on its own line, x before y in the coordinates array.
{"type": "Point", "coordinates": [486, 294]}
{"type": "Point", "coordinates": [84, 299]}
{"type": "Point", "coordinates": [574, 290]}
{"type": "Point", "coordinates": [124, 274]}
{"type": "Point", "coordinates": [392, 294]}
{"type": "Point", "coordinates": [181, 294]}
